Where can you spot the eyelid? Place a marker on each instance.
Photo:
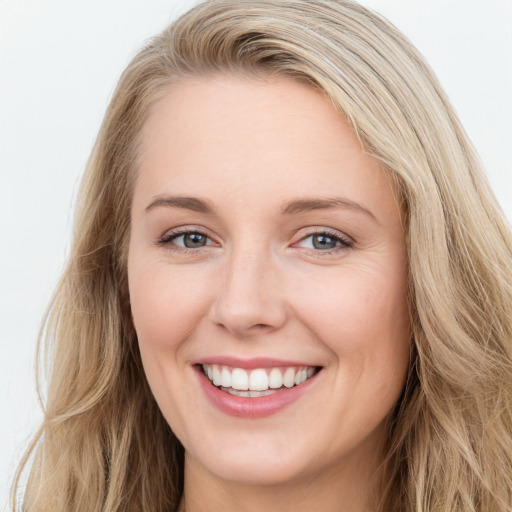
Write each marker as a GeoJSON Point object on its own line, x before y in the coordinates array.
{"type": "Point", "coordinates": [167, 238]}
{"type": "Point", "coordinates": [346, 242]}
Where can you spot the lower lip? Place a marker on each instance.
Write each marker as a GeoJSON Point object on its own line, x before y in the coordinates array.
{"type": "Point", "coordinates": [257, 407]}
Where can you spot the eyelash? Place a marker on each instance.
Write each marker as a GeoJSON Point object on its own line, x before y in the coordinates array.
{"type": "Point", "coordinates": [344, 242]}
{"type": "Point", "coordinates": [167, 239]}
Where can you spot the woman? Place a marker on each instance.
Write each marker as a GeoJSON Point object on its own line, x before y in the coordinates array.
{"type": "Point", "coordinates": [289, 286]}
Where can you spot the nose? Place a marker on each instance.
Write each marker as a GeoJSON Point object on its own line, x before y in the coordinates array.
{"type": "Point", "coordinates": [250, 297]}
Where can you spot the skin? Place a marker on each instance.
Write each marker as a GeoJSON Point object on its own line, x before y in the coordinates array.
{"type": "Point", "coordinates": [262, 288]}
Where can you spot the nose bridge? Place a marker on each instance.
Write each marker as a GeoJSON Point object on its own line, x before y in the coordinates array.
{"type": "Point", "coordinates": [248, 298]}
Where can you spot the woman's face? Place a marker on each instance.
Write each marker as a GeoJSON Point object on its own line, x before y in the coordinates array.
{"type": "Point", "coordinates": [266, 248]}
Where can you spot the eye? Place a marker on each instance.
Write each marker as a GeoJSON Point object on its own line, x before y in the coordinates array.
{"type": "Point", "coordinates": [186, 240]}
{"type": "Point", "coordinates": [324, 241]}
{"type": "Point", "coordinates": [191, 240]}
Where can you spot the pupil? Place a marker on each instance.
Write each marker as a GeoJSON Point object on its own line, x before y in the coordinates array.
{"type": "Point", "coordinates": [192, 240]}
{"type": "Point", "coordinates": [324, 242]}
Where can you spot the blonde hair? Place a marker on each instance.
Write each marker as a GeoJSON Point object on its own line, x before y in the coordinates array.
{"type": "Point", "coordinates": [104, 445]}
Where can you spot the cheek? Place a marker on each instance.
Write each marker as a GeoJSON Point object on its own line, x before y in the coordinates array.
{"type": "Point", "coordinates": [355, 307]}
{"type": "Point", "coordinates": [362, 317]}
{"type": "Point", "coordinates": [167, 304]}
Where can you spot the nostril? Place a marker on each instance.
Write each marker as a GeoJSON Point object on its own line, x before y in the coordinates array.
{"type": "Point", "coordinates": [246, 330]}
{"type": "Point", "coordinates": [260, 328]}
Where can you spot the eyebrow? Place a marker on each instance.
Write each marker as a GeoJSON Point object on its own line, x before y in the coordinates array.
{"type": "Point", "coordinates": [290, 208]}
{"type": "Point", "coordinates": [307, 205]}
{"type": "Point", "coordinates": [187, 203]}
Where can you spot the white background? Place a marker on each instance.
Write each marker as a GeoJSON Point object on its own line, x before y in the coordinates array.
{"type": "Point", "coordinates": [59, 62]}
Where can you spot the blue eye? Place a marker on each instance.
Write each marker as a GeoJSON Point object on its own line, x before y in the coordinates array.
{"type": "Point", "coordinates": [324, 242]}
{"type": "Point", "coordinates": [191, 240]}
{"type": "Point", "coordinates": [187, 240]}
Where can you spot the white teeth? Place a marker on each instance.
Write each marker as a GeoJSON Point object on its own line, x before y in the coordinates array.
{"type": "Point", "coordinates": [257, 382]}
{"type": "Point", "coordinates": [289, 377]}
{"type": "Point", "coordinates": [239, 379]}
{"type": "Point", "coordinates": [275, 379]}
{"type": "Point", "coordinates": [225, 378]}
{"type": "Point", "coordinates": [301, 376]}
{"type": "Point", "coordinates": [251, 394]}
{"type": "Point", "coordinates": [266, 392]}
{"type": "Point", "coordinates": [217, 379]}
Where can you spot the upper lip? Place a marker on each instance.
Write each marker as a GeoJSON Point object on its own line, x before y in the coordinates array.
{"type": "Point", "coordinates": [254, 362]}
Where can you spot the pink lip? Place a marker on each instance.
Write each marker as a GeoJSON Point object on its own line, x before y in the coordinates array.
{"type": "Point", "coordinates": [249, 364]}
{"type": "Point", "coordinates": [258, 407]}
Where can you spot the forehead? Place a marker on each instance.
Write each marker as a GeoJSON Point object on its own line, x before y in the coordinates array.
{"type": "Point", "coordinates": [252, 139]}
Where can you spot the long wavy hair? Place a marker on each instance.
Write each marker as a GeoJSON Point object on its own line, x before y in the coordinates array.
{"type": "Point", "coordinates": [104, 445]}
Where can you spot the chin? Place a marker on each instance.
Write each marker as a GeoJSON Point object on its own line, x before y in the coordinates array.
{"type": "Point", "coordinates": [260, 461]}
{"type": "Point", "coordinates": [256, 471]}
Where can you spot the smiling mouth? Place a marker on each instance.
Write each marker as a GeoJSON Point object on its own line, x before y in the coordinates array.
{"type": "Point", "coordinates": [257, 382]}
